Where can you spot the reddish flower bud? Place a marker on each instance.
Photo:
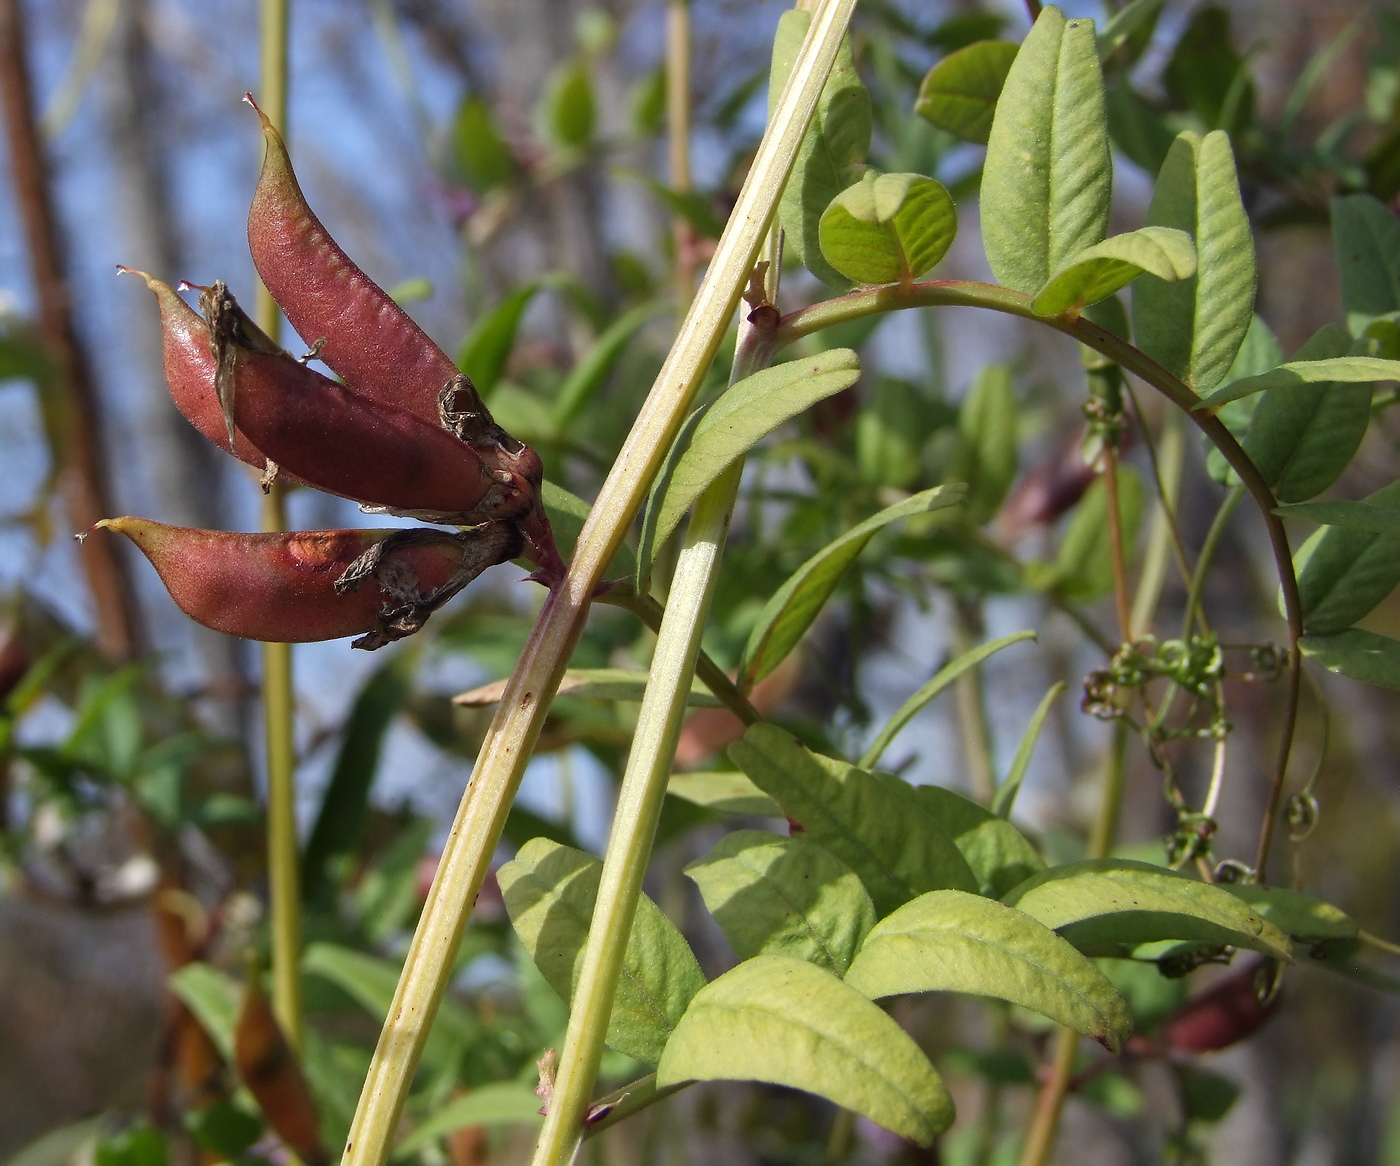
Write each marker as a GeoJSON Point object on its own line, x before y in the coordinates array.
{"type": "Point", "coordinates": [1228, 1011]}
{"type": "Point", "coordinates": [302, 586]}
{"type": "Point", "coordinates": [370, 342]}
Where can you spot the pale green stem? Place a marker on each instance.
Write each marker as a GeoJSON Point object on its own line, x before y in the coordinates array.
{"type": "Point", "coordinates": [678, 119]}
{"type": "Point", "coordinates": [641, 794]}
{"type": "Point", "coordinates": [1160, 541]}
{"type": "Point", "coordinates": [972, 708]}
{"type": "Point", "coordinates": [278, 697]}
{"type": "Point", "coordinates": [980, 295]}
{"type": "Point", "coordinates": [520, 715]}
{"type": "Point", "coordinates": [1211, 544]}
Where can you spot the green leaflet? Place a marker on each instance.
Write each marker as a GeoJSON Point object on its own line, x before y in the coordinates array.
{"type": "Point", "coordinates": [1297, 373]}
{"type": "Point", "coordinates": [950, 941]}
{"type": "Point", "coordinates": [723, 792]}
{"type": "Point", "coordinates": [1099, 271]}
{"type": "Point", "coordinates": [1300, 916]}
{"type": "Point", "coordinates": [371, 981]}
{"type": "Point", "coordinates": [549, 891]}
{"type": "Point", "coordinates": [733, 425]}
{"type": "Point", "coordinates": [1106, 905]}
{"type": "Point", "coordinates": [788, 1022]}
{"type": "Point", "coordinates": [986, 453]}
{"type": "Point", "coordinates": [345, 804]}
{"type": "Point", "coordinates": [797, 603]}
{"type": "Point", "coordinates": [480, 156]}
{"type": "Point", "coordinates": [888, 228]}
{"type": "Point", "coordinates": [892, 429]}
{"type": "Point", "coordinates": [1083, 567]}
{"type": "Point", "coordinates": [941, 680]}
{"type": "Point", "coordinates": [1005, 796]}
{"type": "Point", "coordinates": [1048, 176]}
{"type": "Point", "coordinates": [1303, 435]}
{"type": "Point", "coordinates": [487, 347]}
{"type": "Point", "coordinates": [1194, 327]}
{"type": "Point", "coordinates": [590, 684]}
{"type": "Point", "coordinates": [568, 110]}
{"type": "Point", "coordinates": [1361, 655]}
{"type": "Point", "coordinates": [998, 853]}
{"type": "Point", "coordinates": [1344, 570]}
{"type": "Point", "coordinates": [836, 141]}
{"type": "Point", "coordinates": [1366, 236]}
{"type": "Point", "coordinates": [588, 375]}
{"type": "Point", "coordinates": [213, 998]}
{"type": "Point", "coordinates": [960, 93]}
{"type": "Point", "coordinates": [784, 896]}
{"type": "Point", "coordinates": [1258, 353]}
{"type": "Point", "coordinates": [871, 822]}
{"type": "Point", "coordinates": [1135, 17]}
{"type": "Point", "coordinates": [499, 1103]}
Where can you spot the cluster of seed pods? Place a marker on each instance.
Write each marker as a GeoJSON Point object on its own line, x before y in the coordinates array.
{"type": "Point", "coordinates": [403, 432]}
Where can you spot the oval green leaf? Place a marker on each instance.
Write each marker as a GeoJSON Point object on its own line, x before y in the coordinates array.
{"type": "Point", "coordinates": [949, 941]}
{"type": "Point", "coordinates": [791, 1023]}
{"type": "Point", "coordinates": [797, 603]}
{"type": "Point", "coordinates": [724, 792]}
{"type": "Point", "coordinates": [1194, 326]}
{"type": "Point", "coordinates": [1000, 856]}
{"type": "Point", "coordinates": [1361, 655]}
{"type": "Point", "coordinates": [549, 892]}
{"type": "Point", "coordinates": [785, 896]}
{"type": "Point", "coordinates": [1300, 916]}
{"type": "Point", "coordinates": [734, 424]}
{"type": "Point", "coordinates": [985, 457]}
{"type": "Point", "coordinates": [1048, 177]}
{"type": "Point", "coordinates": [1366, 236]}
{"type": "Point", "coordinates": [960, 93]}
{"type": "Point", "coordinates": [1106, 905]}
{"type": "Point", "coordinates": [872, 822]}
{"type": "Point", "coordinates": [1099, 271]}
{"type": "Point", "coordinates": [1346, 569]}
{"type": "Point", "coordinates": [889, 228]}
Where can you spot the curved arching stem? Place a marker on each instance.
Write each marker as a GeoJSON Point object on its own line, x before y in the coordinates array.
{"type": "Point", "coordinates": [967, 293]}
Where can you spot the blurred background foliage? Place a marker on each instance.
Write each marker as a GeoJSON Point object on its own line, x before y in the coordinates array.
{"type": "Point", "coordinates": [502, 166]}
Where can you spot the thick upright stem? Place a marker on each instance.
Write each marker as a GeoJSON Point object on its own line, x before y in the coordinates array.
{"type": "Point", "coordinates": [278, 695]}
{"type": "Point", "coordinates": [519, 716]}
{"type": "Point", "coordinates": [83, 475]}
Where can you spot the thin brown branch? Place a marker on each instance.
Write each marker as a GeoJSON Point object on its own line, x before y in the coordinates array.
{"type": "Point", "coordinates": [84, 476]}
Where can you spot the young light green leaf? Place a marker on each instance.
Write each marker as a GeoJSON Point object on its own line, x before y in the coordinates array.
{"type": "Point", "coordinates": [797, 603]}
{"type": "Point", "coordinates": [888, 228]}
{"type": "Point", "coordinates": [941, 680]}
{"type": "Point", "coordinates": [1099, 271]}
{"type": "Point", "coordinates": [495, 1104]}
{"type": "Point", "coordinates": [480, 156]}
{"type": "Point", "coordinates": [1358, 654]}
{"type": "Point", "coordinates": [1302, 436]}
{"type": "Point", "coordinates": [1005, 797]}
{"type": "Point", "coordinates": [985, 457]}
{"type": "Point", "coordinates": [1083, 567]}
{"type": "Point", "coordinates": [1346, 569]}
{"type": "Point", "coordinates": [733, 425]}
{"type": "Point", "coordinates": [549, 892]}
{"type": "Point", "coordinates": [214, 999]}
{"type": "Point", "coordinates": [1048, 176]}
{"type": "Point", "coordinates": [591, 684]}
{"type": "Point", "coordinates": [487, 347]}
{"type": "Point", "coordinates": [1194, 326]}
{"type": "Point", "coordinates": [587, 377]}
{"type": "Point", "coordinates": [569, 112]}
{"type": "Point", "coordinates": [1297, 915]}
{"type": "Point", "coordinates": [960, 93]}
{"type": "Point", "coordinates": [781, 1020]}
{"type": "Point", "coordinates": [723, 792]}
{"type": "Point", "coordinates": [785, 896]}
{"type": "Point", "coordinates": [998, 853]}
{"type": "Point", "coordinates": [1106, 905]}
{"type": "Point", "coordinates": [836, 141]}
{"type": "Point", "coordinates": [1366, 236]}
{"type": "Point", "coordinates": [1299, 373]}
{"type": "Point", "coordinates": [950, 941]}
{"type": "Point", "coordinates": [871, 822]}
{"type": "Point", "coordinates": [370, 982]}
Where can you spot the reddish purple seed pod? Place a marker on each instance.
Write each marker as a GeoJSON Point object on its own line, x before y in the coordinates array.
{"type": "Point", "coordinates": [189, 371]}
{"type": "Point", "coordinates": [282, 587]}
{"type": "Point", "coordinates": [1227, 1012]}
{"type": "Point", "coordinates": [370, 342]}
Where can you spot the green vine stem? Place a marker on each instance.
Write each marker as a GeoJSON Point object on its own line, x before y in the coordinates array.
{"type": "Point", "coordinates": [520, 715]}
{"type": "Point", "coordinates": [960, 293]}
{"type": "Point", "coordinates": [278, 695]}
{"type": "Point", "coordinates": [1162, 538]}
